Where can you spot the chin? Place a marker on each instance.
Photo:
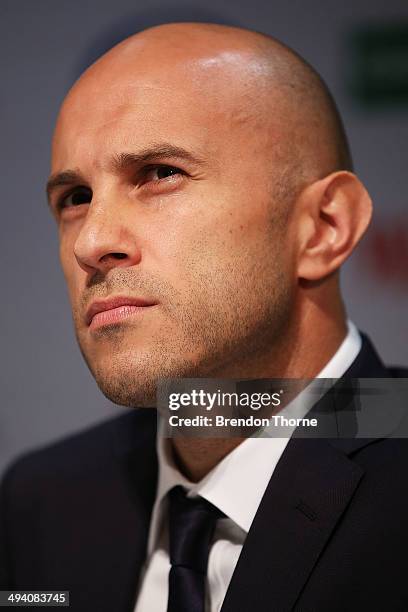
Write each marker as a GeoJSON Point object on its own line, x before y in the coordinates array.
{"type": "Point", "coordinates": [127, 372]}
{"type": "Point", "coordinates": [130, 379]}
{"type": "Point", "coordinates": [139, 393]}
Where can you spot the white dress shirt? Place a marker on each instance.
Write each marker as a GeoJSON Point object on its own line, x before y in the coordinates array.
{"type": "Point", "coordinates": [236, 486]}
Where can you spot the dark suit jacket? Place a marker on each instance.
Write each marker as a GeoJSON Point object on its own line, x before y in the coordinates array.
{"type": "Point", "coordinates": [330, 535]}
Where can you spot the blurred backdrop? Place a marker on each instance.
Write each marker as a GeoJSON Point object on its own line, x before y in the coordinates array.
{"type": "Point", "coordinates": [361, 50]}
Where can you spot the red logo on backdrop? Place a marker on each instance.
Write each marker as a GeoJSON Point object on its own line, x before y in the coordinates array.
{"type": "Point", "coordinates": [385, 253]}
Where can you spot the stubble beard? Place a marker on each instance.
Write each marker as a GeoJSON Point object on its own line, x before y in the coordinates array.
{"type": "Point", "coordinates": [204, 338]}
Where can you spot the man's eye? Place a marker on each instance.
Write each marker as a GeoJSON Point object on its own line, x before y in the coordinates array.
{"type": "Point", "coordinates": [158, 173]}
{"type": "Point", "coordinates": [79, 195]}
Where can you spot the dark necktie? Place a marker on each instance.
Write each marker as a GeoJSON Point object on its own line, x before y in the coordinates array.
{"type": "Point", "coordinates": [191, 526]}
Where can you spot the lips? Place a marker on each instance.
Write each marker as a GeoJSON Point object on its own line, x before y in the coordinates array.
{"type": "Point", "coordinates": [114, 309]}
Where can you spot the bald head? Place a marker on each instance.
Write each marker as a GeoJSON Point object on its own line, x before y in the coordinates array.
{"type": "Point", "coordinates": [257, 77]}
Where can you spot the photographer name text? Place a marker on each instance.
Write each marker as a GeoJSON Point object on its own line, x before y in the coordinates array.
{"type": "Point", "coordinates": [276, 420]}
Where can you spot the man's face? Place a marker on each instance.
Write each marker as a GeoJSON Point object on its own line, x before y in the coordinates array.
{"type": "Point", "coordinates": [173, 202]}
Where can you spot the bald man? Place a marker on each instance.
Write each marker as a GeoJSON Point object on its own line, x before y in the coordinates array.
{"type": "Point", "coordinates": [205, 201]}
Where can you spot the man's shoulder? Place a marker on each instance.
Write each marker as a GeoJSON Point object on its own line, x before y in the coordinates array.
{"type": "Point", "coordinates": [398, 371]}
{"type": "Point", "coordinates": [87, 451]}
{"type": "Point", "coordinates": [369, 364]}
{"type": "Point", "coordinates": [384, 456]}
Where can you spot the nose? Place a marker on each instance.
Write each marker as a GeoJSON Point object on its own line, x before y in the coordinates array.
{"type": "Point", "coordinates": [106, 240]}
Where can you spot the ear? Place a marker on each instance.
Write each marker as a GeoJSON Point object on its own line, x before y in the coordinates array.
{"type": "Point", "coordinates": [334, 213]}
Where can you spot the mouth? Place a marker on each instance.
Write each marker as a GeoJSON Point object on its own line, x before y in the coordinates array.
{"type": "Point", "coordinates": [114, 310]}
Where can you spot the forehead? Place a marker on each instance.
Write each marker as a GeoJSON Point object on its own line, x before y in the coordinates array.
{"type": "Point", "coordinates": [194, 103]}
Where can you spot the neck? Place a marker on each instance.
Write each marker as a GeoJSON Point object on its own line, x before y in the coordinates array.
{"type": "Point", "coordinates": [196, 457]}
{"type": "Point", "coordinates": [297, 355]}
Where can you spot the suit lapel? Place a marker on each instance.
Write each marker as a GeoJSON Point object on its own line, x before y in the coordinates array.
{"type": "Point", "coordinates": [299, 511]}
{"type": "Point", "coordinates": [309, 491]}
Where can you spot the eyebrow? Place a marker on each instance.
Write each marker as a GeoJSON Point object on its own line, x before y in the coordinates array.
{"type": "Point", "coordinates": [122, 161]}
{"type": "Point", "coordinates": [68, 177]}
{"type": "Point", "coordinates": [162, 151]}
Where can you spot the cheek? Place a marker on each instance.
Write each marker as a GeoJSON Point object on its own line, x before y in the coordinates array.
{"type": "Point", "coordinates": [216, 248]}
{"type": "Point", "coordinates": [238, 229]}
